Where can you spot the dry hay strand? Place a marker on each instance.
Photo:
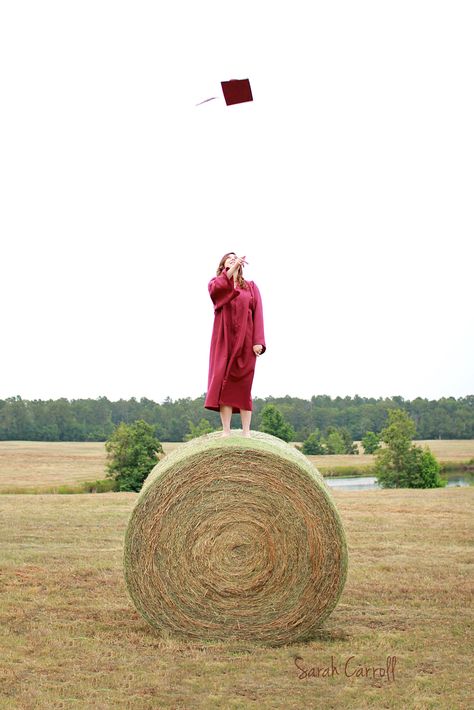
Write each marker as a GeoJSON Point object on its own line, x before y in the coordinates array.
{"type": "Point", "coordinates": [235, 538]}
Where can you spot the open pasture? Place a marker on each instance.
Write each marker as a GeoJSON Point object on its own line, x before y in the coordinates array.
{"type": "Point", "coordinates": [72, 638]}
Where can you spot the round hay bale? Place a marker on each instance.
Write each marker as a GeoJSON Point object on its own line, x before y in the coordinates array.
{"type": "Point", "coordinates": [235, 538]}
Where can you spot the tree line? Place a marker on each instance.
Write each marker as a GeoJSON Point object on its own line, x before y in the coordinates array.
{"type": "Point", "coordinates": [96, 419]}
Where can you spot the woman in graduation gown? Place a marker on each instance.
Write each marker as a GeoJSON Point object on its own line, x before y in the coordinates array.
{"type": "Point", "coordinates": [237, 340]}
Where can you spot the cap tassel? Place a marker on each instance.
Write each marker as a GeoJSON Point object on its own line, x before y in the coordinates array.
{"type": "Point", "coordinates": [206, 100]}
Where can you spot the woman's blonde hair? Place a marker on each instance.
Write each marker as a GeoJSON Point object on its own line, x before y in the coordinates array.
{"type": "Point", "coordinates": [240, 279]}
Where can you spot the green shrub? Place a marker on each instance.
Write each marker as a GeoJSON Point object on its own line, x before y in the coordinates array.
{"type": "Point", "coordinates": [131, 454]}
{"type": "Point", "coordinates": [370, 442]}
{"type": "Point", "coordinates": [403, 464]}
{"type": "Point", "coordinates": [203, 427]}
{"type": "Point", "coordinates": [313, 445]}
{"type": "Point", "coordinates": [334, 442]}
{"type": "Point", "coordinates": [338, 440]}
{"type": "Point", "coordinates": [273, 422]}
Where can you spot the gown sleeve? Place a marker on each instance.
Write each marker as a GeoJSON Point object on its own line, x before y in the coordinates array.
{"type": "Point", "coordinates": [258, 331]}
{"type": "Point", "coordinates": [221, 290]}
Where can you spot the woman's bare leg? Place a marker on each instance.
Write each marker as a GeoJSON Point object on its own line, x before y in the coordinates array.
{"type": "Point", "coordinates": [246, 416]}
{"type": "Point", "coordinates": [226, 415]}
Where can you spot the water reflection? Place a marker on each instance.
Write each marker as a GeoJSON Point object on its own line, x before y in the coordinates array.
{"type": "Point", "coordinates": [357, 483]}
{"type": "Point", "coordinates": [367, 483]}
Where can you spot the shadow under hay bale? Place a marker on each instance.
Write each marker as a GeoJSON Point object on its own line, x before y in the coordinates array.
{"type": "Point", "coordinates": [235, 538]}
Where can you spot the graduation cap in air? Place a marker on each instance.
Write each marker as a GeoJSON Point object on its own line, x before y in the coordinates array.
{"type": "Point", "coordinates": [236, 91]}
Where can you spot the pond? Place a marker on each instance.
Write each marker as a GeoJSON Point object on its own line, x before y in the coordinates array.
{"type": "Point", "coordinates": [366, 483]}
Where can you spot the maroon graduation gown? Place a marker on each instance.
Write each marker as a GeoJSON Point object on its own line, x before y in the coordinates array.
{"type": "Point", "coordinates": [238, 326]}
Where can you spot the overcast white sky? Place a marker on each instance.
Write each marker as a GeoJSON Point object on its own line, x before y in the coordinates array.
{"type": "Point", "coordinates": [348, 183]}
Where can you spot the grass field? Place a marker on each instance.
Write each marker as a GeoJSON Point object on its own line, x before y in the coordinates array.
{"type": "Point", "coordinates": [71, 637]}
{"type": "Point", "coordinates": [33, 466]}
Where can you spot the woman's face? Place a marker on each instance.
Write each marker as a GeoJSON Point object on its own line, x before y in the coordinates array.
{"type": "Point", "coordinates": [229, 261]}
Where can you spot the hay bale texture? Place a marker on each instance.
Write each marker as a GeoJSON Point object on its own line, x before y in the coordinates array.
{"type": "Point", "coordinates": [235, 538]}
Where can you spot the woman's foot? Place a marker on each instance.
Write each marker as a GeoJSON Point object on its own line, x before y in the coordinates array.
{"type": "Point", "coordinates": [225, 433]}
{"type": "Point", "coordinates": [245, 433]}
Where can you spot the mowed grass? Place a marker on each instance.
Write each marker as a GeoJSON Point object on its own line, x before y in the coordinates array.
{"type": "Point", "coordinates": [72, 638]}
{"type": "Point", "coordinates": [35, 466]}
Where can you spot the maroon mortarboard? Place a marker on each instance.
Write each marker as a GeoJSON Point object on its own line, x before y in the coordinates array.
{"type": "Point", "coordinates": [236, 91]}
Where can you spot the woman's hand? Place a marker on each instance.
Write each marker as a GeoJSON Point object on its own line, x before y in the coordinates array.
{"type": "Point", "coordinates": [237, 261]}
{"type": "Point", "coordinates": [257, 349]}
